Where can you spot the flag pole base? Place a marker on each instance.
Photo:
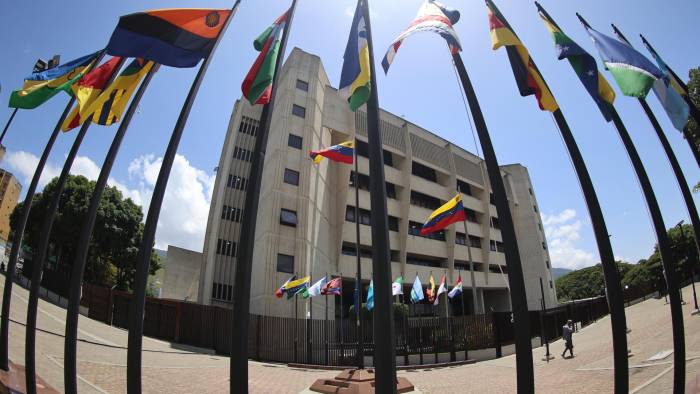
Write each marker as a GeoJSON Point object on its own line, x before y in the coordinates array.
{"type": "Point", "coordinates": [360, 381]}
{"type": "Point", "coordinates": [13, 381]}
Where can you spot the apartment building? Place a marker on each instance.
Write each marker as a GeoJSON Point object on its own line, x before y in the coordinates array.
{"type": "Point", "coordinates": [306, 219]}
{"type": "Point", "coordinates": [9, 195]}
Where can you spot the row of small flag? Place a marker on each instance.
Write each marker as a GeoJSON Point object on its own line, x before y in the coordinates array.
{"type": "Point", "coordinates": [293, 287]}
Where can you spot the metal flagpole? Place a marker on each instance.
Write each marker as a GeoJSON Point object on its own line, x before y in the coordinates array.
{"type": "Point", "coordinates": [7, 125]}
{"type": "Point", "coordinates": [471, 265]}
{"type": "Point", "coordinates": [19, 231]}
{"type": "Point", "coordinates": [358, 269]}
{"type": "Point", "coordinates": [133, 370]}
{"type": "Point", "coordinates": [42, 249]}
{"type": "Point", "coordinates": [547, 356]}
{"type": "Point", "coordinates": [383, 322]}
{"type": "Point", "coordinates": [242, 275]}
{"type": "Point", "coordinates": [464, 319]}
{"type": "Point", "coordinates": [523, 346]}
{"type": "Point", "coordinates": [70, 363]}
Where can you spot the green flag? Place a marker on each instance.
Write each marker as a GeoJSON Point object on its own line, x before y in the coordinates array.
{"type": "Point", "coordinates": [397, 286]}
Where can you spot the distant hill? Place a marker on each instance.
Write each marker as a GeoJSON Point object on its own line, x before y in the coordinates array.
{"type": "Point", "coordinates": [559, 272]}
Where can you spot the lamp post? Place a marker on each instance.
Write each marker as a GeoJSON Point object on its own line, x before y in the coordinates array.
{"type": "Point", "coordinates": [692, 273]}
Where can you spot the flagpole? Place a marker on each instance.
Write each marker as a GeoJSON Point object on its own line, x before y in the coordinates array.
{"type": "Point", "coordinates": [7, 125]}
{"type": "Point", "coordinates": [241, 286]}
{"type": "Point", "coordinates": [358, 268]}
{"type": "Point", "coordinates": [42, 248]}
{"type": "Point", "coordinates": [523, 346]}
{"type": "Point", "coordinates": [19, 231]}
{"type": "Point", "coordinates": [71, 335]}
{"type": "Point", "coordinates": [464, 317]}
{"type": "Point", "coordinates": [471, 263]}
{"type": "Point", "coordinates": [135, 341]}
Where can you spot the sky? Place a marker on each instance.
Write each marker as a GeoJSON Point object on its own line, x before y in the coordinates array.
{"type": "Point", "coordinates": [421, 85]}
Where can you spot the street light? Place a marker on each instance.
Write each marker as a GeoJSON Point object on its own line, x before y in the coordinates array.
{"type": "Point", "coordinates": [692, 274]}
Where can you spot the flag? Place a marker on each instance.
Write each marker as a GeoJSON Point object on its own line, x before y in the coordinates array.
{"type": "Point", "coordinates": [433, 17]}
{"type": "Point", "coordinates": [441, 289]}
{"type": "Point", "coordinates": [342, 153]}
{"type": "Point", "coordinates": [315, 289]}
{"type": "Point", "coordinates": [297, 286]}
{"type": "Point", "coordinates": [675, 106]}
{"type": "Point", "coordinates": [280, 292]}
{"type": "Point", "coordinates": [417, 291]}
{"type": "Point", "coordinates": [457, 289]}
{"type": "Point", "coordinates": [334, 287]}
{"type": "Point", "coordinates": [634, 73]}
{"type": "Point", "coordinates": [676, 84]}
{"type": "Point", "coordinates": [41, 86]}
{"type": "Point", "coordinates": [175, 37]}
{"type": "Point", "coordinates": [527, 76]}
{"type": "Point", "coordinates": [257, 85]}
{"type": "Point", "coordinates": [370, 296]}
{"type": "Point", "coordinates": [355, 76]}
{"type": "Point", "coordinates": [397, 286]}
{"type": "Point", "coordinates": [430, 291]}
{"type": "Point", "coordinates": [86, 91]}
{"type": "Point", "coordinates": [584, 66]}
{"type": "Point", "coordinates": [451, 212]}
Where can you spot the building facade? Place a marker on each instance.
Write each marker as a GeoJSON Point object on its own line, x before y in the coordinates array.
{"type": "Point", "coordinates": [9, 195]}
{"type": "Point", "coordinates": [306, 219]}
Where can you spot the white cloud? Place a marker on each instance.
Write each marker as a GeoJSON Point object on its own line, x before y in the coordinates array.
{"type": "Point", "coordinates": [563, 233]}
{"type": "Point", "coordinates": [83, 165]}
{"type": "Point", "coordinates": [23, 164]}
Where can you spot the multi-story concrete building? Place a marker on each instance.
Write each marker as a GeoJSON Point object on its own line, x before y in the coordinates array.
{"type": "Point", "coordinates": [306, 219]}
{"type": "Point", "coordinates": [9, 194]}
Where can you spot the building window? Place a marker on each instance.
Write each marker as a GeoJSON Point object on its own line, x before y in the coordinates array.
{"type": "Point", "coordinates": [225, 247]}
{"type": "Point", "coordinates": [471, 215]}
{"type": "Point", "coordinates": [363, 181]}
{"type": "Point", "coordinates": [298, 111]}
{"type": "Point", "coordinates": [426, 261]}
{"type": "Point", "coordinates": [495, 223]}
{"type": "Point", "coordinates": [540, 226]}
{"type": "Point", "coordinates": [231, 213]}
{"type": "Point", "coordinates": [222, 292]}
{"type": "Point", "coordinates": [242, 154]}
{"type": "Point", "coordinates": [363, 150]}
{"type": "Point", "coordinates": [285, 263]}
{"type": "Point", "coordinates": [294, 141]}
{"type": "Point", "coordinates": [291, 177]}
{"type": "Point", "coordinates": [551, 286]}
{"type": "Point", "coordinates": [350, 249]}
{"type": "Point", "coordinates": [474, 241]}
{"type": "Point", "coordinates": [544, 245]}
{"type": "Point", "coordinates": [464, 187]}
{"type": "Point", "coordinates": [530, 190]}
{"type": "Point", "coordinates": [236, 182]}
{"type": "Point", "coordinates": [425, 201]}
{"type": "Point", "coordinates": [497, 269]}
{"type": "Point", "coordinates": [547, 263]}
{"type": "Point", "coordinates": [415, 227]}
{"type": "Point", "coordinates": [288, 218]}
{"type": "Point", "coordinates": [248, 126]}
{"type": "Point", "coordinates": [424, 172]}
{"type": "Point", "coordinates": [492, 199]}
{"type": "Point", "coordinates": [534, 207]}
{"type": "Point", "coordinates": [302, 85]}
{"type": "Point", "coordinates": [496, 246]}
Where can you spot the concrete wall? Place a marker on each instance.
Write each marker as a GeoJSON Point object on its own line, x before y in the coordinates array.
{"type": "Point", "coordinates": [181, 278]}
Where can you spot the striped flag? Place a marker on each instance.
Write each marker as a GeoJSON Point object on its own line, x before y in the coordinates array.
{"type": "Point", "coordinates": [433, 17]}
{"type": "Point", "coordinates": [457, 289]}
{"type": "Point", "coordinates": [342, 153]}
{"type": "Point", "coordinates": [355, 77]}
{"type": "Point", "coordinates": [441, 289]}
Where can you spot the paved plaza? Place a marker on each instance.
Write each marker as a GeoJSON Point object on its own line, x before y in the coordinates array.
{"type": "Point", "coordinates": [174, 368]}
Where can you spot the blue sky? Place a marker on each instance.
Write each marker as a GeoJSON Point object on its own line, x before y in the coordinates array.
{"type": "Point", "coordinates": [421, 86]}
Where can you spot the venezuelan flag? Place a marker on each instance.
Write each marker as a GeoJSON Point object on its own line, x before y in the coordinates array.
{"type": "Point", "coordinates": [355, 76]}
{"type": "Point", "coordinates": [451, 212]}
{"type": "Point", "coordinates": [294, 287]}
{"type": "Point", "coordinates": [173, 37]}
{"type": "Point", "coordinates": [342, 153]}
{"type": "Point", "coordinates": [527, 76]}
{"type": "Point", "coordinates": [41, 86]}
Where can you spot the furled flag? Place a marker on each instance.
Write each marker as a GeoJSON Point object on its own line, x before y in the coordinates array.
{"type": "Point", "coordinates": [634, 73]}
{"type": "Point", "coordinates": [430, 291]}
{"type": "Point", "coordinates": [257, 85]}
{"type": "Point", "coordinates": [175, 37]}
{"type": "Point", "coordinates": [334, 287]}
{"type": "Point", "coordinates": [583, 63]}
{"type": "Point", "coordinates": [417, 291]}
{"type": "Point", "coordinates": [315, 289]}
{"type": "Point", "coordinates": [283, 289]}
{"type": "Point", "coordinates": [355, 76]}
{"type": "Point", "coordinates": [441, 289]}
{"type": "Point", "coordinates": [342, 153]}
{"type": "Point", "coordinates": [675, 106]}
{"type": "Point", "coordinates": [457, 289]}
{"type": "Point", "coordinates": [527, 76]}
{"type": "Point", "coordinates": [451, 212]}
{"type": "Point", "coordinates": [432, 16]}
{"type": "Point", "coordinates": [41, 86]}
{"type": "Point", "coordinates": [370, 296]}
{"type": "Point", "coordinates": [397, 286]}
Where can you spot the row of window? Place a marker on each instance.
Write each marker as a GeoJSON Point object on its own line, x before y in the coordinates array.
{"type": "Point", "coordinates": [220, 291]}
{"type": "Point", "coordinates": [415, 227]}
{"type": "Point", "coordinates": [366, 218]}
{"type": "Point", "coordinates": [242, 154]}
{"type": "Point", "coordinates": [363, 184]}
{"type": "Point", "coordinates": [231, 213]}
{"type": "Point", "coordinates": [248, 126]}
{"type": "Point", "coordinates": [363, 150]}
{"type": "Point", "coordinates": [225, 247]}
{"type": "Point", "coordinates": [496, 246]}
{"type": "Point", "coordinates": [237, 182]}
{"type": "Point", "coordinates": [350, 249]}
{"type": "Point", "coordinates": [474, 241]}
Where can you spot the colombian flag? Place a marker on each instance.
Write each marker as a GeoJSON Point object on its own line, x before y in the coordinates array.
{"type": "Point", "coordinates": [355, 76]}
{"type": "Point", "coordinates": [342, 153]}
{"type": "Point", "coordinates": [451, 212]}
{"type": "Point", "coordinates": [41, 86]}
{"type": "Point", "coordinates": [174, 37]}
{"type": "Point", "coordinates": [527, 75]}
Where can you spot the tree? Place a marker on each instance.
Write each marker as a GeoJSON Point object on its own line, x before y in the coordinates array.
{"type": "Point", "coordinates": [585, 283]}
{"type": "Point", "coordinates": [115, 239]}
{"type": "Point", "coordinates": [693, 127]}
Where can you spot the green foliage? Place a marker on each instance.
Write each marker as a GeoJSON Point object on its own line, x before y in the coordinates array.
{"type": "Point", "coordinates": [693, 128]}
{"type": "Point", "coordinates": [585, 283]}
{"type": "Point", "coordinates": [115, 239]}
{"type": "Point", "coordinates": [400, 311]}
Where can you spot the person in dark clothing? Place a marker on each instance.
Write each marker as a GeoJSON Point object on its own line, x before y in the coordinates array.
{"type": "Point", "coordinates": [567, 333]}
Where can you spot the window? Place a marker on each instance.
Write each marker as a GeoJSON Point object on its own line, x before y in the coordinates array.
{"type": "Point", "coordinates": [540, 226]}
{"type": "Point", "coordinates": [424, 172]}
{"type": "Point", "coordinates": [547, 263]}
{"type": "Point", "coordinates": [350, 249]}
{"type": "Point", "coordinates": [390, 191]}
{"type": "Point", "coordinates": [497, 269]}
{"type": "Point", "coordinates": [298, 111]}
{"type": "Point", "coordinates": [393, 223]}
{"type": "Point", "coordinates": [550, 285]}
{"type": "Point", "coordinates": [495, 223]}
{"type": "Point", "coordinates": [231, 213]}
{"type": "Point", "coordinates": [248, 126]}
{"type": "Point", "coordinates": [478, 267]}
{"type": "Point", "coordinates": [302, 85]}
{"type": "Point", "coordinates": [464, 187]}
{"type": "Point", "coordinates": [363, 150]}
{"type": "Point", "coordinates": [242, 154]}
{"type": "Point", "coordinates": [426, 261]}
{"type": "Point", "coordinates": [225, 247]}
{"type": "Point", "coordinates": [291, 177]}
{"type": "Point", "coordinates": [492, 199]}
{"type": "Point", "coordinates": [288, 218]}
{"type": "Point", "coordinates": [363, 181]}
{"type": "Point", "coordinates": [294, 141]}
{"type": "Point", "coordinates": [534, 207]}
{"type": "Point", "coordinates": [474, 241]}
{"type": "Point", "coordinates": [366, 218]}
{"type": "Point", "coordinates": [544, 245]}
{"type": "Point", "coordinates": [415, 227]}
{"type": "Point", "coordinates": [496, 246]}
{"type": "Point", "coordinates": [236, 182]}
{"type": "Point", "coordinates": [529, 190]}
{"type": "Point", "coordinates": [471, 215]}
{"type": "Point", "coordinates": [460, 239]}
{"type": "Point", "coordinates": [222, 292]}
{"type": "Point", "coordinates": [425, 201]}
{"type": "Point", "coordinates": [285, 263]}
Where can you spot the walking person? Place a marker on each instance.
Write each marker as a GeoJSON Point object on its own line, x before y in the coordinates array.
{"type": "Point", "coordinates": [567, 334]}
